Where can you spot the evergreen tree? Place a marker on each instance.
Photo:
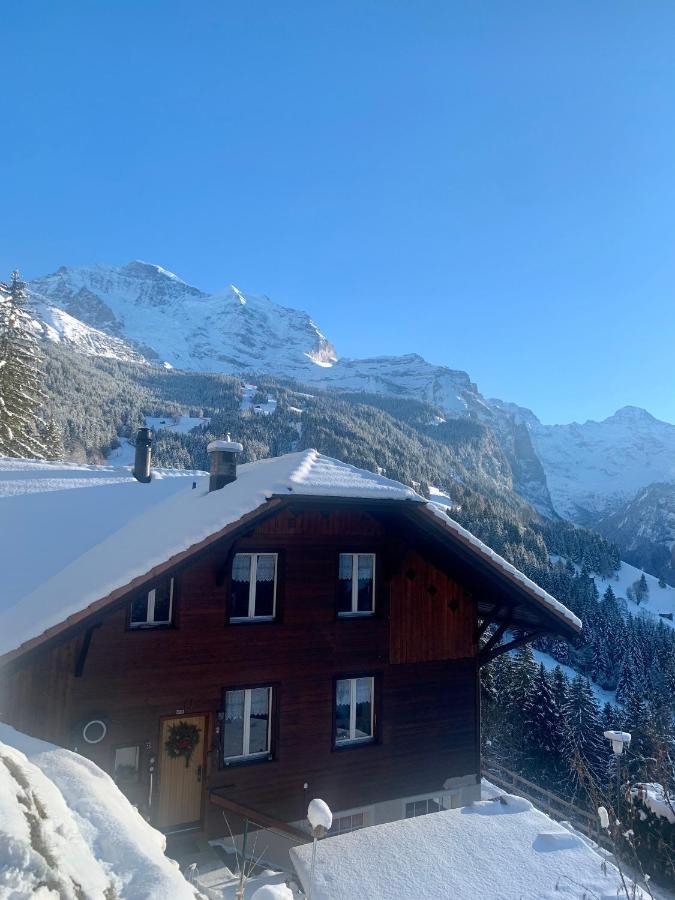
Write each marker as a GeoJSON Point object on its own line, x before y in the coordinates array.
{"type": "Point", "coordinates": [53, 440]}
{"type": "Point", "coordinates": [560, 686]}
{"type": "Point", "coordinates": [543, 726]}
{"type": "Point", "coordinates": [641, 589]}
{"type": "Point", "coordinates": [21, 377]}
{"type": "Point", "coordinates": [583, 744]}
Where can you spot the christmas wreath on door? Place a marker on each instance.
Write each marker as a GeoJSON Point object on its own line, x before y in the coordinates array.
{"type": "Point", "coordinates": [182, 740]}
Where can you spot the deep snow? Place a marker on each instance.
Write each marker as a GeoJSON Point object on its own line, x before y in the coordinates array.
{"type": "Point", "coordinates": [500, 849]}
{"type": "Point", "coordinates": [67, 831]}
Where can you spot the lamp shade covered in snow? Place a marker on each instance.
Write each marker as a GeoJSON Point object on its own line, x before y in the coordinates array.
{"type": "Point", "coordinates": [619, 740]}
{"type": "Point", "coordinates": [319, 815]}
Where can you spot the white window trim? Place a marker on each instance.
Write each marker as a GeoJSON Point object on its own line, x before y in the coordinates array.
{"type": "Point", "coordinates": [246, 738]}
{"type": "Point", "coordinates": [150, 610]}
{"type": "Point", "coordinates": [361, 811]}
{"type": "Point", "coordinates": [442, 799]}
{"type": "Point", "coordinates": [252, 588]}
{"type": "Point", "coordinates": [352, 739]}
{"type": "Point", "coordinates": [355, 612]}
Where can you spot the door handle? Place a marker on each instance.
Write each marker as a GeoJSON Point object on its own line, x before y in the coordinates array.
{"type": "Point", "coordinates": [199, 773]}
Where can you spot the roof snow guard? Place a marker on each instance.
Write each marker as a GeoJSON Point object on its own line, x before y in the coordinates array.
{"type": "Point", "coordinates": [138, 533]}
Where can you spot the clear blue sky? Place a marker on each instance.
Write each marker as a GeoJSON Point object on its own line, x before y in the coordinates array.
{"type": "Point", "coordinates": [491, 184]}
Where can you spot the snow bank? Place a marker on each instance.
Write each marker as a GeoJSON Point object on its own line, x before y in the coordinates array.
{"type": "Point", "coordinates": [655, 798]}
{"type": "Point", "coordinates": [66, 830]}
{"type": "Point", "coordinates": [500, 849]}
{"type": "Point", "coordinates": [273, 892]}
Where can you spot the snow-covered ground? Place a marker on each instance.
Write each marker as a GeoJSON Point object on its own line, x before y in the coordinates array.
{"type": "Point", "coordinates": [267, 408]}
{"type": "Point", "coordinates": [550, 663]}
{"type": "Point", "coordinates": [248, 392]}
{"type": "Point", "coordinates": [124, 454]}
{"type": "Point", "coordinates": [659, 601]}
{"type": "Point", "coordinates": [440, 497]}
{"type": "Point", "coordinates": [180, 424]}
{"type": "Point", "coordinates": [67, 831]}
{"type": "Point", "coordinates": [495, 849]}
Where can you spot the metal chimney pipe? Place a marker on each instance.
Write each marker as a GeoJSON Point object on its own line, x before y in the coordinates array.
{"type": "Point", "coordinates": [223, 462]}
{"type": "Point", "coordinates": [143, 458]}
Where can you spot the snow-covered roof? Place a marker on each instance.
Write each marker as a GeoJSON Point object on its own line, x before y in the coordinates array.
{"type": "Point", "coordinates": [66, 830]}
{"type": "Point", "coordinates": [66, 549]}
{"type": "Point", "coordinates": [498, 849]}
{"type": "Point", "coordinates": [489, 555]}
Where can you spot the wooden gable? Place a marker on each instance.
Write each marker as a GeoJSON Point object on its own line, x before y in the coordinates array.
{"type": "Point", "coordinates": [431, 617]}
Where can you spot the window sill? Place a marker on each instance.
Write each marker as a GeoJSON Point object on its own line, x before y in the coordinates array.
{"type": "Point", "coordinates": [357, 615]}
{"type": "Point", "coordinates": [149, 626]}
{"type": "Point", "coordinates": [357, 742]}
{"type": "Point", "coordinates": [251, 620]}
{"type": "Point", "coordinates": [250, 760]}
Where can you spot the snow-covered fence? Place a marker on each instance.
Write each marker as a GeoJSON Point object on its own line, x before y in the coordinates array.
{"type": "Point", "coordinates": [548, 802]}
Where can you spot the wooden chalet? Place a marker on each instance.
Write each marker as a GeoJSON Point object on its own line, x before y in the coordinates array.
{"type": "Point", "coordinates": [296, 628]}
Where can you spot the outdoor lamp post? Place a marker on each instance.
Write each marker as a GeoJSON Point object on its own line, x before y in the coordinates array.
{"type": "Point", "coordinates": [320, 819]}
{"type": "Point", "coordinates": [618, 740]}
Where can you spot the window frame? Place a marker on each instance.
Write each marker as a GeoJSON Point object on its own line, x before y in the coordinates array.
{"type": "Point", "coordinates": [253, 554]}
{"type": "Point", "coordinates": [353, 742]}
{"type": "Point", "coordinates": [149, 596]}
{"type": "Point", "coordinates": [355, 612]}
{"type": "Point", "coordinates": [439, 799]}
{"type": "Point", "coordinates": [364, 812]}
{"type": "Point", "coordinates": [262, 755]}
{"type": "Point", "coordinates": [135, 777]}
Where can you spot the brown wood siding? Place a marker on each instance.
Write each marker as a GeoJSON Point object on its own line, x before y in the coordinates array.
{"type": "Point", "coordinates": [427, 723]}
{"type": "Point", "coordinates": [35, 692]}
{"type": "Point", "coordinates": [431, 615]}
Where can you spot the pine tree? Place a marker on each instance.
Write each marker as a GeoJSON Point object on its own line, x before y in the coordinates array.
{"type": "Point", "coordinates": [583, 744]}
{"type": "Point", "coordinates": [53, 440]}
{"type": "Point", "coordinates": [520, 691]}
{"type": "Point", "coordinates": [560, 686]}
{"type": "Point", "coordinates": [21, 393]}
{"type": "Point", "coordinates": [543, 726]}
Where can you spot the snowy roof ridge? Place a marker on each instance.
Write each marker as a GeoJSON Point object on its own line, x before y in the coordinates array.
{"type": "Point", "coordinates": [146, 538]}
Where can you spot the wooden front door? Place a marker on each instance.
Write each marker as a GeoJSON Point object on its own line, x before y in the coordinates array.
{"type": "Point", "coordinates": [180, 786]}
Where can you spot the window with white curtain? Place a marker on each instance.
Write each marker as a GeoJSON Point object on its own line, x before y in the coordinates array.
{"type": "Point", "coordinates": [154, 607]}
{"type": "Point", "coordinates": [354, 710]}
{"type": "Point", "coordinates": [253, 587]}
{"type": "Point", "coordinates": [356, 584]}
{"type": "Point", "coordinates": [247, 723]}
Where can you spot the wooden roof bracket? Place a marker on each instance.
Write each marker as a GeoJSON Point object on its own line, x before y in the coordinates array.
{"type": "Point", "coordinates": [490, 651]}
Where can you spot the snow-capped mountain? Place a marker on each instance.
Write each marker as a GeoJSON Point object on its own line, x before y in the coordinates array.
{"type": "Point", "coordinates": [594, 468]}
{"type": "Point", "coordinates": [167, 321]}
{"type": "Point", "coordinates": [143, 313]}
{"type": "Point", "coordinates": [645, 528]}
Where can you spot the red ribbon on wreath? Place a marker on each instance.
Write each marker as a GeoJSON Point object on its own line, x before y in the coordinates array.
{"type": "Point", "coordinates": [182, 740]}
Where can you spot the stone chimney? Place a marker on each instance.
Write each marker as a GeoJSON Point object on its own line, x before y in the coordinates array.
{"type": "Point", "coordinates": [223, 462]}
{"type": "Point", "coordinates": [143, 458]}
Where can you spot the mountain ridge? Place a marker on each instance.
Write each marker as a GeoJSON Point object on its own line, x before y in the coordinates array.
{"type": "Point", "coordinates": [143, 313]}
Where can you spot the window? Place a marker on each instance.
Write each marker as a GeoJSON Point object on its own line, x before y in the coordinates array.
{"type": "Point", "coordinates": [126, 764]}
{"type": "Point", "coordinates": [254, 587]}
{"type": "Point", "coordinates": [356, 584]}
{"type": "Point", "coordinates": [354, 715]}
{"type": "Point", "coordinates": [153, 608]}
{"type": "Point", "coordinates": [423, 807]}
{"type": "Point", "coordinates": [352, 822]}
{"type": "Point", "coordinates": [247, 723]}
